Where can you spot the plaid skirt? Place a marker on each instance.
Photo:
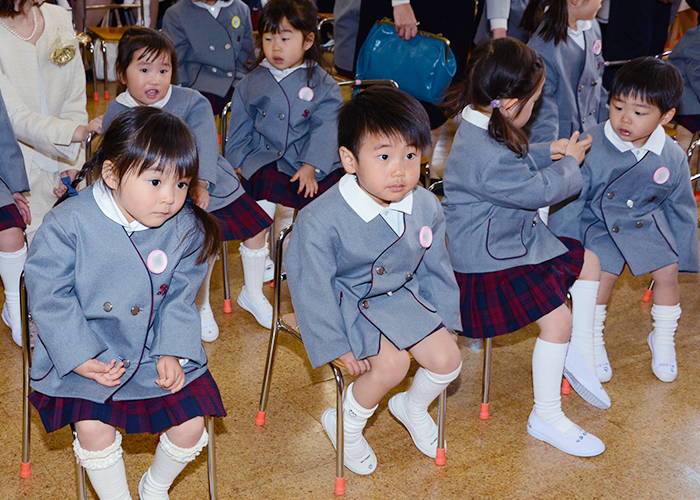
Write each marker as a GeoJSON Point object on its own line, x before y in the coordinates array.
{"type": "Point", "coordinates": [241, 219]}
{"type": "Point", "coordinates": [270, 184]}
{"type": "Point", "coordinates": [10, 217]}
{"type": "Point", "coordinates": [198, 398]}
{"type": "Point", "coordinates": [505, 301]}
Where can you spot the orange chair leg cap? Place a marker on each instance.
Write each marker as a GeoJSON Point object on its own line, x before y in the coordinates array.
{"type": "Point", "coordinates": [697, 196]}
{"type": "Point", "coordinates": [484, 411]}
{"type": "Point", "coordinates": [96, 97]}
{"type": "Point", "coordinates": [565, 387]}
{"type": "Point", "coordinates": [340, 486]}
{"type": "Point", "coordinates": [107, 95]}
{"type": "Point", "coordinates": [25, 469]}
{"type": "Point", "coordinates": [272, 283]}
{"type": "Point", "coordinates": [440, 456]}
{"type": "Point", "coordinates": [647, 295]}
{"type": "Point", "coordinates": [227, 306]}
{"type": "Point", "coordinates": [260, 418]}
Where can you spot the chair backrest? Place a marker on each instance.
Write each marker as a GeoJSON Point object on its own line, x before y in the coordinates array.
{"type": "Point", "coordinates": [113, 6]}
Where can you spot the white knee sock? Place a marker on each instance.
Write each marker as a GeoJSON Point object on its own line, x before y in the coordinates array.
{"type": "Point", "coordinates": [202, 299]}
{"type": "Point", "coordinates": [253, 269]}
{"type": "Point", "coordinates": [11, 266]}
{"type": "Point", "coordinates": [547, 369]}
{"type": "Point", "coordinates": [105, 468]}
{"type": "Point", "coordinates": [665, 325]}
{"type": "Point", "coordinates": [354, 421]}
{"type": "Point", "coordinates": [583, 297]}
{"type": "Point", "coordinates": [601, 356]}
{"type": "Point", "coordinates": [425, 388]}
{"type": "Point", "coordinates": [169, 462]}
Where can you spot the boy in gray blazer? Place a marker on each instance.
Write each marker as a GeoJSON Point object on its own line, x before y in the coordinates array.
{"type": "Point", "coordinates": [636, 208]}
{"type": "Point", "coordinates": [370, 276]}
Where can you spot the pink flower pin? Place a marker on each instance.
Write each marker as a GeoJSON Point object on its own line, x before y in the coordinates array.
{"type": "Point", "coordinates": [306, 94]}
{"type": "Point", "coordinates": [597, 47]}
{"type": "Point", "coordinates": [157, 261]}
{"type": "Point", "coordinates": [426, 237]}
{"type": "Point", "coordinates": [661, 175]}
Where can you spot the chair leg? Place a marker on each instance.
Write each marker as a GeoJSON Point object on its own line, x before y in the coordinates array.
{"type": "Point", "coordinates": [25, 468]}
{"type": "Point", "coordinates": [262, 408]}
{"type": "Point", "coordinates": [486, 385]}
{"type": "Point", "coordinates": [440, 458]}
{"type": "Point", "coordinates": [211, 458]}
{"type": "Point", "coordinates": [648, 292]}
{"type": "Point", "coordinates": [91, 49]}
{"type": "Point", "coordinates": [340, 435]}
{"type": "Point", "coordinates": [224, 271]}
{"type": "Point", "coordinates": [80, 484]}
{"type": "Point", "coordinates": [104, 69]}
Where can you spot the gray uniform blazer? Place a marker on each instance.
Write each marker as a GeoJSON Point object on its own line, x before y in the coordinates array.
{"type": "Point", "coordinates": [351, 280]}
{"type": "Point", "coordinates": [271, 122]}
{"type": "Point", "coordinates": [512, 10]}
{"type": "Point", "coordinates": [92, 296]}
{"type": "Point", "coordinates": [491, 201]}
{"type": "Point", "coordinates": [211, 53]}
{"type": "Point", "coordinates": [192, 108]}
{"type": "Point", "coordinates": [13, 176]}
{"type": "Point", "coordinates": [686, 57]}
{"type": "Point", "coordinates": [624, 216]}
{"type": "Point", "coordinates": [573, 97]}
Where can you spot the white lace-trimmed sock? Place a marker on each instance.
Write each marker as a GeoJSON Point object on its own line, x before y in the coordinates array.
{"type": "Point", "coordinates": [547, 369]}
{"type": "Point", "coordinates": [583, 297]}
{"type": "Point", "coordinates": [665, 325]}
{"type": "Point", "coordinates": [354, 420]}
{"type": "Point", "coordinates": [11, 266]}
{"type": "Point", "coordinates": [253, 269]}
{"type": "Point", "coordinates": [426, 386]}
{"type": "Point", "coordinates": [106, 470]}
{"type": "Point", "coordinates": [169, 462]}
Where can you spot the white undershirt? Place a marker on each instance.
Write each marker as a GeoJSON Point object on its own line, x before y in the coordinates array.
{"type": "Point", "coordinates": [105, 200]}
{"type": "Point", "coordinates": [577, 34]}
{"type": "Point", "coordinates": [281, 74]}
{"type": "Point", "coordinates": [475, 117]}
{"type": "Point", "coordinates": [214, 9]}
{"type": "Point", "coordinates": [655, 142]}
{"type": "Point", "coordinates": [126, 99]}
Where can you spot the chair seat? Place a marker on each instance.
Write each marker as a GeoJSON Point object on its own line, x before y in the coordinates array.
{"type": "Point", "coordinates": [108, 34]}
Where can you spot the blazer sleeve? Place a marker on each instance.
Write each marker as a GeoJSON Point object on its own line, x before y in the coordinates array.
{"type": "Point", "coordinates": [201, 122]}
{"type": "Point", "coordinates": [565, 220]}
{"type": "Point", "coordinates": [183, 48]}
{"type": "Point", "coordinates": [681, 211]}
{"type": "Point", "coordinates": [321, 148]}
{"type": "Point", "coordinates": [692, 71]}
{"type": "Point", "coordinates": [12, 170]}
{"type": "Point", "coordinates": [239, 142]}
{"type": "Point", "coordinates": [545, 124]}
{"type": "Point", "coordinates": [247, 48]}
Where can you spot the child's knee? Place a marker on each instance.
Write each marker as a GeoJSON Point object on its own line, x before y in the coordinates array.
{"type": "Point", "coordinates": [94, 435]}
{"type": "Point", "coordinates": [188, 433]}
{"type": "Point", "coordinates": [393, 368]}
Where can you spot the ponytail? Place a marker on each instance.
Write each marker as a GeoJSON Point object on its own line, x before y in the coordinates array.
{"type": "Point", "coordinates": [212, 235]}
{"type": "Point", "coordinates": [552, 15]}
{"type": "Point", "coordinates": [503, 131]}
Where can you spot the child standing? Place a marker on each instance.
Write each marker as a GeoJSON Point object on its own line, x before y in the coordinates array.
{"type": "Point", "coordinates": [213, 39]}
{"type": "Point", "coordinates": [116, 310]}
{"type": "Point", "coordinates": [282, 134]}
{"type": "Point", "coordinates": [567, 37]}
{"type": "Point", "coordinates": [636, 208]}
{"type": "Point", "coordinates": [146, 63]}
{"type": "Point", "coordinates": [510, 268]}
{"type": "Point", "coordinates": [370, 277]}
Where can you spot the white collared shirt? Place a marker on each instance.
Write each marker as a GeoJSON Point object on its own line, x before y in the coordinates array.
{"type": "Point", "coordinates": [281, 74]}
{"type": "Point", "coordinates": [126, 99]}
{"type": "Point", "coordinates": [214, 9]}
{"type": "Point", "coordinates": [577, 34]}
{"type": "Point", "coordinates": [368, 209]}
{"type": "Point", "coordinates": [655, 143]}
{"type": "Point", "coordinates": [105, 200]}
{"type": "Point", "coordinates": [475, 117]}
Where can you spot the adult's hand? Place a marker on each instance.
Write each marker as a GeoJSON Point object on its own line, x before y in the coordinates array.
{"type": "Point", "coordinates": [405, 20]}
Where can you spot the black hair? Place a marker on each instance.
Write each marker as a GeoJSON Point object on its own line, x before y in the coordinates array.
{"type": "Point", "coordinates": [301, 15]}
{"type": "Point", "coordinates": [650, 79]}
{"type": "Point", "coordinates": [500, 69]}
{"type": "Point", "coordinates": [383, 110]}
{"type": "Point", "coordinates": [144, 137]}
{"type": "Point", "coordinates": [154, 44]}
{"type": "Point", "coordinates": [7, 7]}
{"type": "Point", "coordinates": [553, 15]}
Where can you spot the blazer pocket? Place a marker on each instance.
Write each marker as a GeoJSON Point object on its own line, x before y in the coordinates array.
{"type": "Point", "coordinates": [504, 239]}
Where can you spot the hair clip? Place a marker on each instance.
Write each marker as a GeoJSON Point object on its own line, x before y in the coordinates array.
{"type": "Point", "coordinates": [496, 104]}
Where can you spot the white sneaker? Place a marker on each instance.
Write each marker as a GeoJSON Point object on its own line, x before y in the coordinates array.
{"type": "Point", "coordinates": [584, 381]}
{"type": "Point", "coordinates": [210, 330]}
{"type": "Point", "coordinates": [426, 444]}
{"type": "Point", "coordinates": [576, 442]}
{"type": "Point", "coordinates": [260, 308]}
{"type": "Point", "coordinates": [269, 270]}
{"type": "Point", "coordinates": [10, 320]}
{"type": "Point", "coordinates": [665, 370]}
{"type": "Point", "coordinates": [602, 368]}
{"type": "Point", "coordinates": [363, 466]}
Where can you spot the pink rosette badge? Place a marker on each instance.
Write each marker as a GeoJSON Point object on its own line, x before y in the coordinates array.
{"type": "Point", "coordinates": [306, 94]}
{"type": "Point", "coordinates": [661, 175]}
{"type": "Point", "coordinates": [426, 237]}
{"type": "Point", "coordinates": [157, 261]}
{"type": "Point", "coordinates": [597, 47]}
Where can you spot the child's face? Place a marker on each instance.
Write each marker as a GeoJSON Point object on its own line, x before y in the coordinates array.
{"type": "Point", "coordinates": [520, 118]}
{"type": "Point", "coordinates": [286, 49]}
{"type": "Point", "coordinates": [151, 198]}
{"type": "Point", "coordinates": [634, 119]}
{"type": "Point", "coordinates": [387, 168]}
{"type": "Point", "coordinates": [148, 79]}
{"type": "Point", "coordinates": [583, 10]}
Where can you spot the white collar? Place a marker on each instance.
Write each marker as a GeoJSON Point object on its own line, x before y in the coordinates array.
{"type": "Point", "coordinates": [364, 205]}
{"type": "Point", "coordinates": [126, 99]}
{"type": "Point", "coordinates": [281, 74]}
{"type": "Point", "coordinates": [476, 117]}
{"type": "Point", "coordinates": [577, 34]}
{"type": "Point", "coordinates": [105, 200]}
{"type": "Point", "coordinates": [655, 142]}
{"type": "Point", "coordinates": [214, 9]}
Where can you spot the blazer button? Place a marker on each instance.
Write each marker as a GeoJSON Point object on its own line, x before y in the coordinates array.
{"type": "Point", "coordinates": [281, 117]}
{"type": "Point", "coordinates": [264, 114]}
{"type": "Point", "coordinates": [594, 84]}
{"type": "Point", "coordinates": [583, 120]}
{"type": "Point", "coordinates": [616, 229]}
{"type": "Point", "coordinates": [212, 48]}
{"type": "Point", "coordinates": [107, 306]}
{"type": "Point", "coordinates": [409, 276]}
{"type": "Point", "coordinates": [592, 112]}
{"type": "Point", "coordinates": [639, 224]}
{"type": "Point", "coordinates": [630, 203]}
{"type": "Point", "coordinates": [279, 153]}
{"type": "Point", "coordinates": [227, 46]}
{"type": "Point", "coordinates": [230, 73]}
{"type": "Point", "coordinates": [580, 89]}
{"type": "Point", "coordinates": [213, 70]}
{"type": "Point", "coordinates": [267, 146]}
{"type": "Point", "coordinates": [611, 196]}
{"type": "Point", "coordinates": [135, 310]}
{"type": "Point", "coordinates": [365, 304]}
{"type": "Point", "coordinates": [380, 270]}
{"type": "Point", "coordinates": [127, 363]}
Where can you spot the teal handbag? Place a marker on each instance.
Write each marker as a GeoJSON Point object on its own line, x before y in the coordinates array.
{"type": "Point", "coordinates": [422, 66]}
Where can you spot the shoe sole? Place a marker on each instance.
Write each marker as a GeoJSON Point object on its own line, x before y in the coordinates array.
{"type": "Point", "coordinates": [544, 438]}
{"type": "Point", "coordinates": [587, 395]}
{"type": "Point", "coordinates": [331, 432]}
{"type": "Point", "coordinates": [397, 411]}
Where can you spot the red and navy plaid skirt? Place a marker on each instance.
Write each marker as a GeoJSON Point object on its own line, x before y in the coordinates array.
{"type": "Point", "coordinates": [505, 301]}
{"type": "Point", "coordinates": [198, 398]}
{"type": "Point", "coordinates": [241, 219]}
{"type": "Point", "coordinates": [270, 184]}
{"type": "Point", "coordinates": [10, 217]}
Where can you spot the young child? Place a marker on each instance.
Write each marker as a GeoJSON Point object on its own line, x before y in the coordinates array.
{"type": "Point", "coordinates": [370, 277]}
{"type": "Point", "coordinates": [116, 311]}
{"type": "Point", "coordinates": [213, 39]}
{"type": "Point", "coordinates": [282, 134]}
{"type": "Point", "coordinates": [636, 208]}
{"type": "Point", "coordinates": [510, 268]}
{"type": "Point", "coordinates": [146, 63]}
{"type": "Point", "coordinates": [567, 37]}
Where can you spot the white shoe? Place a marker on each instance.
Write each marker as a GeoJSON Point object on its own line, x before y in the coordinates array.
{"type": "Point", "coordinates": [426, 444]}
{"type": "Point", "coordinates": [666, 371]}
{"type": "Point", "coordinates": [363, 466]}
{"type": "Point", "coordinates": [269, 270]}
{"type": "Point", "coordinates": [584, 381]}
{"type": "Point", "coordinates": [260, 308]}
{"type": "Point", "coordinates": [603, 369]}
{"type": "Point", "coordinates": [576, 442]}
{"type": "Point", "coordinates": [7, 318]}
{"type": "Point", "coordinates": [210, 330]}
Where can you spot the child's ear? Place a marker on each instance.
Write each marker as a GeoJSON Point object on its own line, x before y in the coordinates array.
{"type": "Point", "coordinates": [109, 175]}
{"type": "Point", "coordinates": [309, 41]}
{"type": "Point", "coordinates": [667, 116]}
{"type": "Point", "coordinates": [348, 160]}
{"type": "Point", "coordinates": [508, 108]}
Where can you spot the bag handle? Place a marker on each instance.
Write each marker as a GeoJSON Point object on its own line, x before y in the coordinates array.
{"type": "Point", "coordinates": [427, 34]}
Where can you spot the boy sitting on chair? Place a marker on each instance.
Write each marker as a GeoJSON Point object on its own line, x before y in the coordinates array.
{"type": "Point", "coordinates": [370, 276]}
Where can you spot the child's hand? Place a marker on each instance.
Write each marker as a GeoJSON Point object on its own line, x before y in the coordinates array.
{"type": "Point", "coordinates": [200, 194]}
{"type": "Point", "coordinates": [577, 148]}
{"type": "Point", "coordinates": [62, 188]}
{"type": "Point", "coordinates": [306, 176]}
{"type": "Point", "coordinates": [106, 374]}
{"type": "Point", "coordinates": [170, 373]}
{"type": "Point", "coordinates": [23, 207]}
{"type": "Point", "coordinates": [355, 367]}
{"type": "Point", "coordinates": [557, 150]}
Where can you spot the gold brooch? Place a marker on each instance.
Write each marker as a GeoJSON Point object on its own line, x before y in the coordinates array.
{"type": "Point", "coordinates": [63, 49]}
